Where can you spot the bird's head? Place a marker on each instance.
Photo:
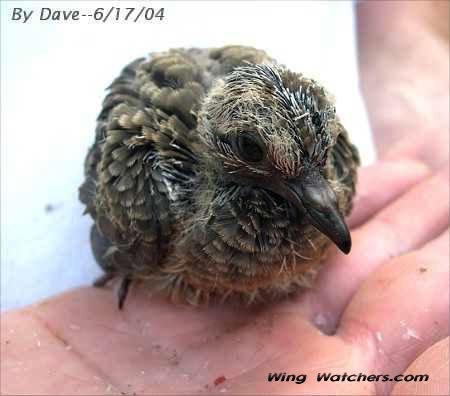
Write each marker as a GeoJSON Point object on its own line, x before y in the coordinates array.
{"type": "Point", "coordinates": [270, 128]}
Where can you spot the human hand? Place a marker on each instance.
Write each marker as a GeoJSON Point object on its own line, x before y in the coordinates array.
{"type": "Point", "coordinates": [404, 62]}
{"type": "Point", "coordinates": [360, 317]}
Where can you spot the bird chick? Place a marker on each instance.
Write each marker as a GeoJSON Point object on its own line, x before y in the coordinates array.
{"type": "Point", "coordinates": [217, 172]}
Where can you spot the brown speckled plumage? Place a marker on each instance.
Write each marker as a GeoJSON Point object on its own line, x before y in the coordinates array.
{"type": "Point", "coordinates": [209, 168]}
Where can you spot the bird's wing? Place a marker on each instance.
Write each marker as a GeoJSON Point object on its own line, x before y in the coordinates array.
{"type": "Point", "coordinates": [148, 113]}
{"type": "Point", "coordinates": [225, 59]}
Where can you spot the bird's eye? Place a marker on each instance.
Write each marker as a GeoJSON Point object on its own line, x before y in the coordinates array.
{"type": "Point", "coordinates": [249, 147]}
{"type": "Point", "coordinates": [316, 119]}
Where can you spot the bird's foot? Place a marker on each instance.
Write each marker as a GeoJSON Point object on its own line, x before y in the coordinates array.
{"type": "Point", "coordinates": [102, 280]}
{"type": "Point", "coordinates": [123, 288]}
{"type": "Point", "coordinates": [123, 291]}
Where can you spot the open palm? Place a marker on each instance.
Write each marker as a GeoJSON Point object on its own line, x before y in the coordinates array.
{"type": "Point", "coordinates": [359, 318]}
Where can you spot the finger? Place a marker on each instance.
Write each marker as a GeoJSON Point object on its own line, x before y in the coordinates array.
{"type": "Point", "coordinates": [435, 361]}
{"type": "Point", "coordinates": [402, 309]}
{"type": "Point", "coordinates": [382, 182]}
{"type": "Point", "coordinates": [416, 217]}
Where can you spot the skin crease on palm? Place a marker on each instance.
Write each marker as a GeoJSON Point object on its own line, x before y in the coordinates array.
{"type": "Point", "coordinates": [380, 310]}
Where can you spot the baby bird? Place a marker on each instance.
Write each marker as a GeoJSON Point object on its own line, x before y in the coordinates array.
{"type": "Point", "coordinates": [217, 172]}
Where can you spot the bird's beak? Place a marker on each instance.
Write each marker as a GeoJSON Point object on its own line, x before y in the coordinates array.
{"type": "Point", "coordinates": [312, 194]}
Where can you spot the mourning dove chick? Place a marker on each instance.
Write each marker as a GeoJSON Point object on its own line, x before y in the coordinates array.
{"type": "Point", "coordinates": [217, 172]}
